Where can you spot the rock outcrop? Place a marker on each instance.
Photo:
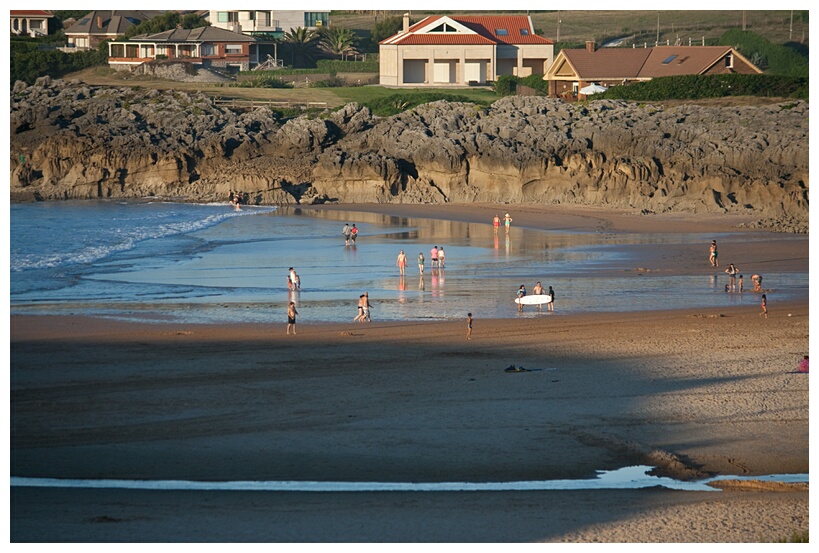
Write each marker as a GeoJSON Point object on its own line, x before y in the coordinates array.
{"type": "Point", "coordinates": [70, 140]}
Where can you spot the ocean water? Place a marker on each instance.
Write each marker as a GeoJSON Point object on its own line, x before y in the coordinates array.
{"type": "Point", "coordinates": [177, 262]}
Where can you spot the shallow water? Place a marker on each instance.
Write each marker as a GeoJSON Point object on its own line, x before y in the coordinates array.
{"type": "Point", "coordinates": [161, 261]}
{"type": "Point", "coordinates": [627, 478]}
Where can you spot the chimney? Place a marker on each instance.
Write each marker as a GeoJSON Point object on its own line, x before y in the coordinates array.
{"type": "Point", "coordinates": [99, 22]}
{"type": "Point", "coordinates": [406, 23]}
{"type": "Point", "coordinates": [590, 46]}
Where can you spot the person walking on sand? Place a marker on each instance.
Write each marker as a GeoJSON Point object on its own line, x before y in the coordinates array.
{"type": "Point", "coordinates": [469, 326]}
{"type": "Point", "coordinates": [713, 257]}
{"type": "Point", "coordinates": [496, 223]}
{"type": "Point", "coordinates": [764, 306]}
{"type": "Point", "coordinates": [353, 234]}
{"type": "Point", "coordinates": [507, 221]}
{"type": "Point", "coordinates": [551, 305]}
{"type": "Point", "coordinates": [521, 294]}
{"type": "Point", "coordinates": [421, 263]}
{"type": "Point", "coordinates": [345, 232]}
{"type": "Point", "coordinates": [433, 254]}
{"type": "Point", "coordinates": [291, 317]}
{"type": "Point", "coordinates": [401, 262]}
{"type": "Point", "coordinates": [441, 257]}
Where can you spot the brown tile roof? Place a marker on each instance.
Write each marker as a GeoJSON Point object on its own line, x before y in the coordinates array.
{"type": "Point", "coordinates": [682, 60]}
{"type": "Point", "coordinates": [607, 63]}
{"type": "Point", "coordinates": [643, 63]}
{"type": "Point", "coordinates": [200, 34]}
{"type": "Point", "coordinates": [517, 27]}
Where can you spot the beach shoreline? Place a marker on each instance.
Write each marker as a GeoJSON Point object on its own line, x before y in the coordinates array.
{"type": "Point", "coordinates": [693, 392]}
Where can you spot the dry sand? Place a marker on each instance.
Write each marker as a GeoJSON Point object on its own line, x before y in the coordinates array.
{"type": "Point", "coordinates": [696, 393]}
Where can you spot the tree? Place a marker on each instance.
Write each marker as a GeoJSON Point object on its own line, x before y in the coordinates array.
{"type": "Point", "coordinates": [387, 27]}
{"type": "Point", "coordinates": [303, 45]}
{"type": "Point", "coordinates": [338, 41]}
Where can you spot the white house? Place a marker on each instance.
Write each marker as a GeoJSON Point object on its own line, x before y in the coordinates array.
{"type": "Point", "coordinates": [266, 23]}
{"type": "Point", "coordinates": [441, 51]}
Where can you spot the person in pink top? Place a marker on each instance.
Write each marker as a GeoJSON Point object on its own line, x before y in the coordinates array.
{"type": "Point", "coordinates": [434, 255]}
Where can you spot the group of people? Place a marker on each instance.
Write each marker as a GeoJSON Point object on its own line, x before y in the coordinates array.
{"type": "Point", "coordinates": [437, 257]}
{"type": "Point", "coordinates": [363, 309]}
{"type": "Point", "coordinates": [735, 279]}
{"type": "Point", "coordinates": [538, 290]}
{"type": "Point", "coordinates": [237, 198]}
{"type": "Point", "coordinates": [496, 222]}
{"type": "Point", "coordinates": [293, 280]}
{"type": "Point", "coordinates": [350, 234]}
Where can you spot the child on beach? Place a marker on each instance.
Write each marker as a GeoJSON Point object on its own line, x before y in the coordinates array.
{"type": "Point", "coordinates": [521, 293]}
{"type": "Point", "coordinates": [764, 306]}
{"type": "Point", "coordinates": [291, 317]}
{"type": "Point", "coordinates": [469, 326]}
{"type": "Point", "coordinates": [739, 283]}
{"type": "Point", "coordinates": [421, 263]}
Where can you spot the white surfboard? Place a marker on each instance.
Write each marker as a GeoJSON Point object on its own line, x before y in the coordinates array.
{"type": "Point", "coordinates": [535, 299]}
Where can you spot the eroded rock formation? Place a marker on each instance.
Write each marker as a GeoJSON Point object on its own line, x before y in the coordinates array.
{"type": "Point", "coordinates": [70, 140]}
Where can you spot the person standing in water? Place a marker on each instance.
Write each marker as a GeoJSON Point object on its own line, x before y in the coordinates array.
{"type": "Point", "coordinates": [551, 306]}
{"type": "Point", "coordinates": [421, 263]}
{"type": "Point", "coordinates": [401, 262]}
{"type": "Point", "coordinates": [346, 233]}
{"type": "Point", "coordinates": [441, 257]}
{"type": "Point", "coordinates": [713, 257]}
{"type": "Point", "coordinates": [764, 312]}
{"type": "Point", "coordinates": [496, 224]}
{"type": "Point", "coordinates": [507, 221]}
{"type": "Point", "coordinates": [521, 294]}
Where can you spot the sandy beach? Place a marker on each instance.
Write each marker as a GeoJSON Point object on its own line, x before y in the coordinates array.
{"type": "Point", "coordinates": [695, 393]}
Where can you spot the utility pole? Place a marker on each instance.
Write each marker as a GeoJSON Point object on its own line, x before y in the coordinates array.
{"type": "Point", "coordinates": [743, 20]}
{"type": "Point", "coordinates": [658, 28]}
{"type": "Point", "coordinates": [790, 36]}
{"type": "Point", "coordinates": [557, 38]}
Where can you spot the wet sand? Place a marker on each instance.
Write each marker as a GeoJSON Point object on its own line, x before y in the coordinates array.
{"type": "Point", "coordinates": [694, 392]}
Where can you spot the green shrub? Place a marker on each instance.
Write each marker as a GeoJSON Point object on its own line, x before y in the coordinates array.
{"type": "Point", "coordinates": [342, 66]}
{"type": "Point", "coordinates": [396, 103]}
{"type": "Point", "coordinates": [505, 85]}
{"type": "Point", "coordinates": [263, 81]}
{"type": "Point", "coordinates": [774, 59]}
{"type": "Point", "coordinates": [332, 82]}
{"type": "Point", "coordinates": [692, 87]}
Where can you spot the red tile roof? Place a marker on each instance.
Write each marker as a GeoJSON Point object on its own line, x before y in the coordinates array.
{"type": "Point", "coordinates": [36, 13]}
{"type": "Point", "coordinates": [518, 31]}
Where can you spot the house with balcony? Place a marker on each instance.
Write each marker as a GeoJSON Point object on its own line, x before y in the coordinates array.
{"type": "Point", "coordinates": [33, 23]}
{"type": "Point", "coordinates": [267, 23]}
{"type": "Point", "coordinates": [574, 69]}
{"type": "Point", "coordinates": [203, 47]}
{"type": "Point", "coordinates": [99, 25]}
{"type": "Point", "coordinates": [446, 51]}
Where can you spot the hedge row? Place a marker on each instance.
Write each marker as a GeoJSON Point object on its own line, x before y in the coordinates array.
{"type": "Point", "coordinates": [692, 87]}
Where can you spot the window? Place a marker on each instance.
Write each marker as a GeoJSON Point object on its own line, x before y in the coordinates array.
{"type": "Point", "coordinates": [208, 49]}
{"type": "Point", "coordinates": [669, 59]}
{"type": "Point", "coordinates": [729, 61]}
{"type": "Point", "coordinates": [524, 32]}
{"type": "Point", "coordinates": [233, 49]}
{"type": "Point", "coordinates": [227, 17]}
{"type": "Point", "coordinates": [444, 28]}
{"type": "Point", "coordinates": [315, 19]}
{"type": "Point", "coordinates": [501, 32]}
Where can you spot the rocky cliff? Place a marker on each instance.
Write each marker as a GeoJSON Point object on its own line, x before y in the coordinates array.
{"type": "Point", "coordinates": [70, 140]}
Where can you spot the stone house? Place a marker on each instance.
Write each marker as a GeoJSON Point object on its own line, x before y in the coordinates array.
{"type": "Point", "coordinates": [441, 51]}
{"type": "Point", "coordinates": [203, 47]}
{"type": "Point", "coordinates": [574, 69]}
